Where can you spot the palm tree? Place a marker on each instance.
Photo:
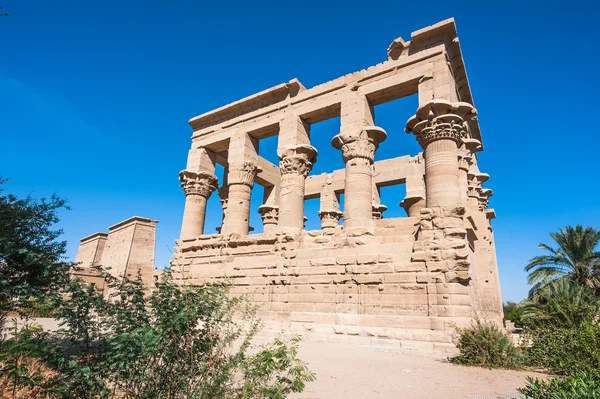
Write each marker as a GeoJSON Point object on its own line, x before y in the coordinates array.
{"type": "Point", "coordinates": [575, 259]}
{"type": "Point", "coordinates": [562, 303]}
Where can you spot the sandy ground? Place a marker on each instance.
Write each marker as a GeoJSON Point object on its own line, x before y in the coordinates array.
{"type": "Point", "coordinates": [345, 371]}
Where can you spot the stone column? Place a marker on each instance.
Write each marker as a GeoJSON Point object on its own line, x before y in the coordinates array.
{"type": "Point", "coordinates": [358, 152]}
{"type": "Point", "coordinates": [475, 181]}
{"type": "Point", "coordinates": [223, 192]}
{"type": "Point", "coordinates": [466, 160]}
{"type": "Point", "coordinates": [198, 186]}
{"type": "Point", "coordinates": [329, 211]}
{"type": "Point", "coordinates": [378, 207]}
{"type": "Point", "coordinates": [440, 127]}
{"type": "Point", "coordinates": [269, 211]}
{"type": "Point", "coordinates": [240, 181]}
{"type": "Point", "coordinates": [295, 162]}
{"type": "Point", "coordinates": [484, 197]}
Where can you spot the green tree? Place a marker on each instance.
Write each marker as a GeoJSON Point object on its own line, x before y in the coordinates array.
{"type": "Point", "coordinates": [576, 258]}
{"type": "Point", "coordinates": [514, 312]}
{"type": "Point", "coordinates": [32, 260]}
{"type": "Point", "coordinates": [563, 303]}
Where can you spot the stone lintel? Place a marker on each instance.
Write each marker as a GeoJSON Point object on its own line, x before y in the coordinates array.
{"type": "Point", "coordinates": [248, 104]}
{"type": "Point", "coordinates": [388, 172]}
{"type": "Point", "coordinates": [445, 27]}
{"type": "Point", "coordinates": [428, 47]}
{"type": "Point", "coordinates": [268, 174]}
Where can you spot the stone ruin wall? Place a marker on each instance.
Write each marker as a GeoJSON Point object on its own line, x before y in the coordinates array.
{"type": "Point", "coordinates": [128, 248]}
{"type": "Point", "coordinates": [399, 282]}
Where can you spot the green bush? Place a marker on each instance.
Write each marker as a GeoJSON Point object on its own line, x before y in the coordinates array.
{"type": "Point", "coordinates": [582, 385]}
{"type": "Point", "coordinates": [514, 311]}
{"type": "Point", "coordinates": [176, 342]}
{"type": "Point", "coordinates": [561, 329]}
{"type": "Point", "coordinates": [485, 344]}
{"type": "Point", "coordinates": [563, 350]}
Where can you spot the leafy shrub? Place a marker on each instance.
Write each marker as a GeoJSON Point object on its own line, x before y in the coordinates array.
{"type": "Point", "coordinates": [563, 350]}
{"type": "Point", "coordinates": [561, 328]}
{"type": "Point", "coordinates": [176, 342]}
{"type": "Point", "coordinates": [484, 344]}
{"type": "Point", "coordinates": [582, 385]}
{"type": "Point", "coordinates": [563, 303]}
{"type": "Point", "coordinates": [514, 311]}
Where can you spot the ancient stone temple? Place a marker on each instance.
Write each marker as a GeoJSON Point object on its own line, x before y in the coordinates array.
{"type": "Point", "coordinates": [127, 250]}
{"type": "Point", "coordinates": [402, 282]}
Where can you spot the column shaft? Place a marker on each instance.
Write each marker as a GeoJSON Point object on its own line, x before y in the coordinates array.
{"type": "Point", "coordinates": [441, 174]}
{"type": "Point", "coordinates": [358, 151]}
{"type": "Point", "coordinates": [358, 194]}
{"type": "Point", "coordinates": [440, 126]}
{"type": "Point", "coordinates": [295, 164]}
{"type": "Point", "coordinates": [193, 216]}
{"type": "Point", "coordinates": [241, 181]}
{"type": "Point", "coordinates": [198, 186]}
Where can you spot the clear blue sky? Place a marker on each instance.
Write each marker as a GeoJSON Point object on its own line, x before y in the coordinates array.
{"type": "Point", "coordinates": [95, 99]}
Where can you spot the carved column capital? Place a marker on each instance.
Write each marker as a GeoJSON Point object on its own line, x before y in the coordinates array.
{"type": "Point", "coordinates": [475, 180]}
{"type": "Point", "coordinates": [198, 183]}
{"type": "Point", "coordinates": [330, 218]}
{"type": "Point", "coordinates": [297, 159]}
{"type": "Point", "coordinates": [484, 197]}
{"type": "Point", "coordinates": [440, 119]}
{"type": "Point", "coordinates": [243, 174]}
{"type": "Point", "coordinates": [359, 143]}
{"type": "Point", "coordinates": [223, 192]}
{"type": "Point", "coordinates": [464, 160]}
{"type": "Point", "coordinates": [378, 210]}
{"type": "Point", "coordinates": [269, 214]}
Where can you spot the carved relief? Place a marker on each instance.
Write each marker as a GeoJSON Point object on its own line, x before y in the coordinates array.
{"type": "Point", "coordinates": [198, 183]}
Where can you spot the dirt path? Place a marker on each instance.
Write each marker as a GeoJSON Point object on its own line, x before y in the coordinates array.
{"type": "Point", "coordinates": [345, 371]}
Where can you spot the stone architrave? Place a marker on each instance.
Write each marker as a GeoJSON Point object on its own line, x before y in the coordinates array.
{"type": "Point", "coordinates": [197, 186]}
{"type": "Point", "coordinates": [358, 152]}
{"type": "Point", "coordinates": [295, 162]}
{"type": "Point", "coordinates": [240, 181]}
{"type": "Point", "coordinates": [440, 126]}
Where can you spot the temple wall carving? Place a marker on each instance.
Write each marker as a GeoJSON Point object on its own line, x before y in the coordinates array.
{"type": "Point", "coordinates": [364, 278]}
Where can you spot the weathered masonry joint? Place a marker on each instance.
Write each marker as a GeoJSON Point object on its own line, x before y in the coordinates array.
{"type": "Point", "coordinates": [364, 278]}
